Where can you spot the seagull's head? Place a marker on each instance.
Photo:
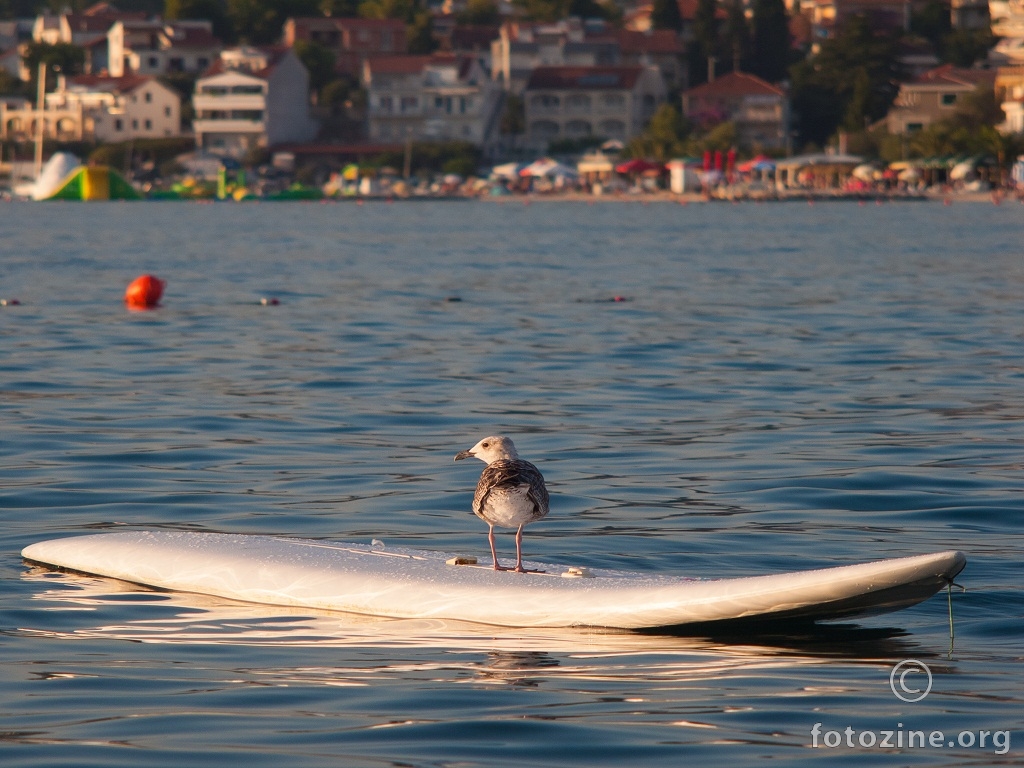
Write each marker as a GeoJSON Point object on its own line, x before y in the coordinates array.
{"type": "Point", "coordinates": [490, 449]}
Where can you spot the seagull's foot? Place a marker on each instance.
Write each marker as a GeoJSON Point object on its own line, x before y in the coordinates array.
{"type": "Point", "coordinates": [520, 569]}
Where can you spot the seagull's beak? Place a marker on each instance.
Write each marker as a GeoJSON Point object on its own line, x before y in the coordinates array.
{"type": "Point", "coordinates": [464, 455]}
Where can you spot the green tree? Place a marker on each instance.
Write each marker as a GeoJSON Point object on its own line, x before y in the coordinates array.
{"type": "Point", "coordinates": [480, 12]}
{"type": "Point", "coordinates": [259, 22]}
{"type": "Point", "coordinates": [420, 34]}
{"type": "Point", "coordinates": [737, 37]}
{"type": "Point", "coordinates": [665, 15]}
{"type": "Point", "coordinates": [342, 9]}
{"type": "Point", "coordinates": [65, 58]}
{"type": "Point", "coordinates": [771, 41]}
{"type": "Point", "coordinates": [664, 137]}
{"type": "Point", "coordinates": [705, 40]}
{"type": "Point", "coordinates": [963, 47]}
{"type": "Point", "coordinates": [851, 81]}
{"type": "Point", "coordinates": [722, 137]}
{"type": "Point", "coordinates": [541, 10]}
{"type": "Point", "coordinates": [319, 62]}
{"type": "Point", "coordinates": [588, 9]}
{"type": "Point", "coordinates": [932, 22]}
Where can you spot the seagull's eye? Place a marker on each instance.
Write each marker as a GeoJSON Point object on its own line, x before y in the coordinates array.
{"type": "Point", "coordinates": [487, 445]}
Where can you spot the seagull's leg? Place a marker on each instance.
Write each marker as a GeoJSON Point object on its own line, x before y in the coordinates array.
{"type": "Point", "coordinates": [494, 552]}
{"type": "Point", "coordinates": [519, 550]}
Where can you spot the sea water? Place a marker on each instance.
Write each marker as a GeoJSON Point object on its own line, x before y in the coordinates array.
{"type": "Point", "coordinates": [712, 390]}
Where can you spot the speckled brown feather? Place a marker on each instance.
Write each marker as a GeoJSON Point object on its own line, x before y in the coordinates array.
{"type": "Point", "coordinates": [507, 475]}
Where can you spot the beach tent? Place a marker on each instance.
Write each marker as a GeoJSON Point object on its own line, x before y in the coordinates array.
{"type": "Point", "coordinates": [506, 171]}
{"type": "Point", "coordinates": [545, 167]}
{"type": "Point", "coordinates": [637, 165]}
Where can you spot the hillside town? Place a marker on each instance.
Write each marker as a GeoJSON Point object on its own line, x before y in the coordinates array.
{"type": "Point", "coordinates": [722, 98]}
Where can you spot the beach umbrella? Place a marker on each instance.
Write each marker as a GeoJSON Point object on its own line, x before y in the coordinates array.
{"type": "Point", "coordinates": [751, 165]}
{"type": "Point", "coordinates": [546, 167]}
{"type": "Point", "coordinates": [637, 165]}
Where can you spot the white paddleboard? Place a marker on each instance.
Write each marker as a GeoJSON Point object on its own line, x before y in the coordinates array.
{"type": "Point", "coordinates": [415, 584]}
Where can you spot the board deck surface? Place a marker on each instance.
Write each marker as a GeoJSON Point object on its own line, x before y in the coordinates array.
{"type": "Point", "coordinates": [409, 583]}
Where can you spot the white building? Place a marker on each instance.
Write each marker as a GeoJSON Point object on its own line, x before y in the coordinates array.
{"type": "Point", "coordinates": [252, 97]}
{"type": "Point", "coordinates": [104, 109]}
{"type": "Point", "coordinates": [582, 102]}
{"type": "Point", "coordinates": [158, 48]}
{"type": "Point", "coordinates": [430, 98]}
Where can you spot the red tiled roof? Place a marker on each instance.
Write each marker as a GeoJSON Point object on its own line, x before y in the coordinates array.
{"type": "Point", "coordinates": [112, 84]}
{"type": "Point", "coordinates": [193, 37]}
{"type": "Point", "coordinates": [397, 65]}
{"type": "Point", "coordinates": [655, 41]}
{"type": "Point", "coordinates": [584, 78]}
{"type": "Point", "coordinates": [947, 74]}
{"type": "Point", "coordinates": [735, 84]}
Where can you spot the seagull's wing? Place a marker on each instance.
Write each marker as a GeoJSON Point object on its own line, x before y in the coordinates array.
{"type": "Point", "coordinates": [506, 474]}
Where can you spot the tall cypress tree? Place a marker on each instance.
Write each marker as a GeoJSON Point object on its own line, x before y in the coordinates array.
{"type": "Point", "coordinates": [705, 43]}
{"type": "Point", "coordinates": [738, 39]}
{"type": "Point", "coordinates": [771, 40]}
{"type": "Point", "coordinates": [665, 15]}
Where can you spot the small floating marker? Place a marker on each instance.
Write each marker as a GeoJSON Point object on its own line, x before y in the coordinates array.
{"type": "Point", "coordinates": [377, 544]}
{"type": "Point", "coordinates": [359, 201]}
{"type": "Point", "coordinates": [269, 301]}
{"type": "Point", "coordinates": [9, 302]}
{"type": "Point", "coordinates": [144, 292]}
{"type": "Point", "coordinates": [453, 298]}
{"type": "Point", "coordinates": [577, 573]}
{"type": "Point", "coordinates": [860, 203]}
{"type": "Point", "coordinates": [947, 201]}
{"type": "Point", "coordinates": [684, 202]}
{"type": "Point", "coordinates": [460, 561]}
{"type": "Point", "coordinates": [619, 298]}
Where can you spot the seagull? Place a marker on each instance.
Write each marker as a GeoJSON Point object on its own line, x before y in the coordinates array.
{"type": "Point", "coordinates": [510, 493]}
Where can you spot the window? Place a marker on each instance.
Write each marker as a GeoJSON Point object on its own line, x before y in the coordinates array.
{"type": "Point", "coordinates": [135, 125]}
{"type": "Point", "coordinates": [167, 111]}
{"type": "Point", "coordinates": [914, 127]}
{"type": "Point", "coordinates": [545, 101]}
{"type": "Point", "coordinates": [153, 62]}
{"type": "Point", "coordinates": [578, 102]}
{"type": "Point", "coordinates": [148, 98]}
{"type": "Point", "coordinates": [386, 104]}
{"type": "Point", "coordinates": [149, 125]}
{"type": "Point", "coordinates": [948, 99]}
{"type": "Point", "coordinates": [118, 124]}
{"type": "Point", "coordinates": [410, 104]}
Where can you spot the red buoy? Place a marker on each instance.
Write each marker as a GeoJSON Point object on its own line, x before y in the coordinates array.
{"type": "Point", "coordinates": [144, 292]}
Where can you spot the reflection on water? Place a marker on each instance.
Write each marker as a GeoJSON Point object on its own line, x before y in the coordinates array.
{"type": "Point", "coordinates": [788, 387]}
{"type": "Point", "coordinates": [172, 617]}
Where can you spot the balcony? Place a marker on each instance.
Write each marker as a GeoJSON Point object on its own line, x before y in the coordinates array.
{"type": "Point", "coordinates": [230, 102]}
{"type": "Point", "coordinates": [228, 126]}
